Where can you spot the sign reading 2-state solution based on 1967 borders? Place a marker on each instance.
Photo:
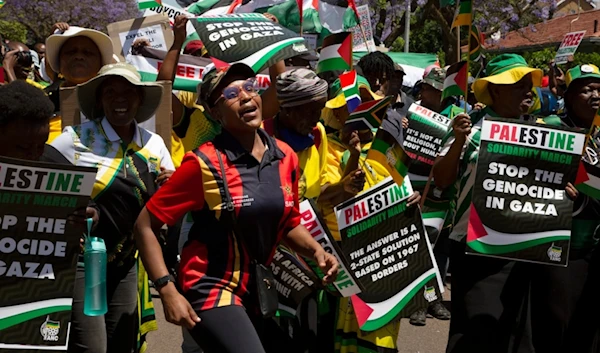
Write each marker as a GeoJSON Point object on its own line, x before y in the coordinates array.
{"type": "Point", "coordinates": [38, 251]}
{"type": "Point", "coordinates": [389, 253]}
{"type": "Point", "coordinates": [520, 209]}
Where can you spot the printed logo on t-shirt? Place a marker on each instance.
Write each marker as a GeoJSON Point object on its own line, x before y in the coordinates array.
{"type": "Point", "coordinates": [288, 195]}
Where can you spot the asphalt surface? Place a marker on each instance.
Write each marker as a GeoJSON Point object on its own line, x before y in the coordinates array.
{"type": "Point", "coordinates": [428, 339]}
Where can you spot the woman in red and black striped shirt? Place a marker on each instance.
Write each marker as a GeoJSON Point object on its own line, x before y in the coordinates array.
{"type": "Point", "coordinates": [262, 177]}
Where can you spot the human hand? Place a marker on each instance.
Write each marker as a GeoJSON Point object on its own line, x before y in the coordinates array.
{"type": "Point", "coordinates": [59, 26]}
{"type": "Point", "coordinates": [414, 199]}
{"type": "Point", "coordinates": [164, 176]}
{"type": "Point", "coordinates": [177, 309]}
{"type": "Point", "coordinates": [179, 29]}
{"type": "Point", "coordinates": [354, 182]}
{"type": "Point", "coordinates": [271, 17]}
{"type": "Point", "coordinates": [11, 59]}
{"type": "Point", "coordinates": [328, 264]}
{"type": "Point", "coordinates": [571, 191]}
{"type": "Point", "coordinates": [404, 122]}
{"type": "Point", "coordinates": [462, 126]}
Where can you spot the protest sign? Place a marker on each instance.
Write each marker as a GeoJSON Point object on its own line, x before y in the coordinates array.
{"type": "Point", "coordinates": [388, 251]}
{"type": "Point", "coordinates": [38, 251]}
{"type": "Point", "coordinates": [346, 284]}
{"type": "Point", "coordinates": [568, 46]}
{"type": "Point", "coordinates": [161, 123]}
{"type": "Point", "coordinates": [358, 39]}
{"type": "Point", "coordinates": [520, 209]}
{"type": "Point", "coordinates": [249, 38]}
{"type": "Point", "coordinates": [311, 40]}
{"type": "Point", "coordinates": [188, 73]}
{"type": "Point", "coordinates": [294, 280]}
{"type": "Point", "coordinates": [588, 177]}
{"type": "Point", "coordinates": [423, 138]}
{"type": "Point", "coordinates": [171, 12]}
{"type": "Point", "coordinates": [155, 29]}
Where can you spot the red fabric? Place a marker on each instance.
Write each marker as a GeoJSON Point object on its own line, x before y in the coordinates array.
{"type": "Point", "coordinates": [182, 193]}
{"type": "Point", "coordinates": [545, 81]}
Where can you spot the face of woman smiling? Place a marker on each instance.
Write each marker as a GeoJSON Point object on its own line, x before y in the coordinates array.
{"type": "Point", "coordinates": [241, 113]}
{"type": "Point", "coordinates": [120, 100]}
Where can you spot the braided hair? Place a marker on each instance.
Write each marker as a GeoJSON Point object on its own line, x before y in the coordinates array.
{"type": "Point", "coordinates": [377, 64]}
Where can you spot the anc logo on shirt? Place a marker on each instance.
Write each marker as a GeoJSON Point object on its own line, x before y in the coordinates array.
{"type": "Point", "coordinates": [289, 195]}
{"type": "Point", "coordinates": [50, 330]}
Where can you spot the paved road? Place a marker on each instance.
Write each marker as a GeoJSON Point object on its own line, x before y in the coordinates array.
{"type": "Point", "coordinates": [429, 339]}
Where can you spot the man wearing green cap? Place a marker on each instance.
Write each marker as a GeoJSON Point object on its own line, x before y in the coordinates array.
{"type": "Point", "coordinates": [488, 295]}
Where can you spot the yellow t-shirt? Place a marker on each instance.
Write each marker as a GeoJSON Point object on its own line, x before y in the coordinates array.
{"type": "Point", "coordinates": [312, 162]}
{"type": "Point", "coordinates": [374, 173]}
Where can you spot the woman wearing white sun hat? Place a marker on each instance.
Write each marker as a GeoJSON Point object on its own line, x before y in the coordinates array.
{"type": "Point", "coordinates": [76, 54]}
{"type": "Point", "coordinates": [132, 162]}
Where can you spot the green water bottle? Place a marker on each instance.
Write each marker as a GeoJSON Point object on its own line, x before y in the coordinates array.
{"type": "Point", "coordinates": [94, 259]}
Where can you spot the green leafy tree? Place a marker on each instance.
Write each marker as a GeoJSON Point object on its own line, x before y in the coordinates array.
{"type": "Point", "coordinates": [13, 31]}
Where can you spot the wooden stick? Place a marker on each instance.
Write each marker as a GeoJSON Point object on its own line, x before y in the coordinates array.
{"type": "Point", "coordinates": [426, 190]}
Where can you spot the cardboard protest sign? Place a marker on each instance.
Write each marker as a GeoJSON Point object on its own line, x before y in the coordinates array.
{"type": "Point", "coordinates": [294, 280]}
{"type": "Point", "coordinates": [160, 124]}
{"type": "Point", "coordinates": [387, 247]}
{"type": "Point", "coordinates": [171, 12]}
{"type": "Point", "coordinates": [156, 29]}
{"type": "Point", "coordinates": [346, 284]}
{"type": "Point", "coordinates": [588, 178]}
{"type": "Point", "coordinates": [249, 38]}
{"type": "Point", "coordinates": [358, 39]}
{"type": "Point", "coordinates": [39, 251]}
{"type": "Point", "coordinates": [423, 138]}
{"type": "Point", "coordinates": [520, 209]}
{"type": "Point", "coordinates": [188, 74]}
{"type": "Point", "coordinates": [568, 46]}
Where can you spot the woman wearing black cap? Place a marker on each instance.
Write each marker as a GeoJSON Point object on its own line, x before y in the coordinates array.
{"type": "Point", "coordinates": [224, 246]}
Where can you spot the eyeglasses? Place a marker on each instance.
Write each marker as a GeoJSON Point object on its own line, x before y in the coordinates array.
{"type": "Point", "coordinates": [231, 93]}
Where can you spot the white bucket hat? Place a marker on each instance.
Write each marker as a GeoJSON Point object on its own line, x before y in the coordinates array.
{"type": "Point", "coordinates": [56, 41]}
{"type": "Point", "coordinates": [86, 92]}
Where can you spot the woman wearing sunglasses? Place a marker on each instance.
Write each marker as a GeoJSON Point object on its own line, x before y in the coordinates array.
{"type": "Point", "coordinates": [256, 177]}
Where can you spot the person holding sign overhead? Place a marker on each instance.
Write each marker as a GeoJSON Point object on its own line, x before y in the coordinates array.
{"type": "Point", "coordinates": [256, 178]}
{"type": "Point", "coordinates": [490, 296]}
{"type": "Point", "coordinates": [76, 54]}
{"type": "Point", "coordinates": [132, 162]}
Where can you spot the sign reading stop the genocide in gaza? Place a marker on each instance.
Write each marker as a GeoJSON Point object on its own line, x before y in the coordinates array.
{"type": "Point", "coordinates": [568, 46]}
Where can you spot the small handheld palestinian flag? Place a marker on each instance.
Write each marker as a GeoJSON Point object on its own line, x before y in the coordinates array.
{"type": "Point", "coordinates": [588, 175]}
{"type": "Point", "coordinates": [388, 151]}
{"type": "Point", "coordinates": [465, 14]}
{"type": "Point", "coordinates": [456, 80]}
{"type": "Point", "coordinates": [336, 53]}
{"type": "Point", "coordinates": [349, 83]}
{"type": "Point", "coordinates": [368, 115]}
{"type": "Point", "coordinates": [475, 44]}
{"type": "Point", "coordinates": [146, 4]}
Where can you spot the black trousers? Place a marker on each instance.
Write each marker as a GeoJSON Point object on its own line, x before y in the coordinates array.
{"type": "Point", "coordinates": [230, 329]}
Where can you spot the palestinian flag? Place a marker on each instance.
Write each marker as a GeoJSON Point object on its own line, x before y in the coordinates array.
{"type": "Point", "coordinates": [456, 80]}
{"type": "Point", "coordinates": [142, 4]}
{"type": "Point", "coordinates": [464, 15]}
{"type": "Point", "coordinates": [336, 53]}
{"type": "Point", "coordinates": [476, 44]}
{"type": "Point", "coordinates": [349, 83]}
{"type": "Point", "coordinates": [215, 7]}
{"type": "Point", "coordinates": [388, 151]}
{"type": "Point", "coordinates": [588, 175]}
{"type": "Point", "coordinates": [368, 115]}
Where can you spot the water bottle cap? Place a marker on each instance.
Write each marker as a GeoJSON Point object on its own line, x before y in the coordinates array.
{"type": "Point", "coordinates": [95, 243]}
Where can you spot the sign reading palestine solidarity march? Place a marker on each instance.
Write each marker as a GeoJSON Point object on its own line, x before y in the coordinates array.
{"type": "Point", "coordinates": [520, 208]}
{"type": "Point", "coordinates": [38, 251]}
{"type": "Point", "coordinates": [249, 38]}
{"type": "Point", "coordinates": [423, 138]}
{"type": "Point", "coordinates": [389, 253]}
{"type": "Point", "coordinates": [346, 284]}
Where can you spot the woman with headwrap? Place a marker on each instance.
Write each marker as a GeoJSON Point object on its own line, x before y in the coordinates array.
{"type": "Point", "coordinates": [302, 95]}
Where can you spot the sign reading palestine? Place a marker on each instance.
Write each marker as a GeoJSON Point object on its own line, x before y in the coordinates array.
{"type": "Point", "coordinates": [423, 139]}
{"type": "Point", "coordinates": [346, 284]}
{"type": "Point", "coordinates": [389, 254]}
{"type": "Point", "coordinates": [520, 209]}
{"type": "Point", "coordinates": [249, 38]}
{"type": "Point", "coordinates": [38, 251]}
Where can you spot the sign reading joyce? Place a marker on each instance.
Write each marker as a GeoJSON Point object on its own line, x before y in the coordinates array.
{"type": "Point", "coordinates": [249, 38]}
{"type": "Point", "coordinates": [38, 251]}
{"type": "Point", "coordinates": [522, 172]}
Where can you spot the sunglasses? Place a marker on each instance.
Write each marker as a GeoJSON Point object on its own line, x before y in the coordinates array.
{"type": "Point", "coordinates": [233, 93]}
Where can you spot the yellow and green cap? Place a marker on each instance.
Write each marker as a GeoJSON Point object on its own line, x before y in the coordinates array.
{"type": "Point", "coordinates": [581, 72]}
{"type": "Point", "coordinates": [505, 69]}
